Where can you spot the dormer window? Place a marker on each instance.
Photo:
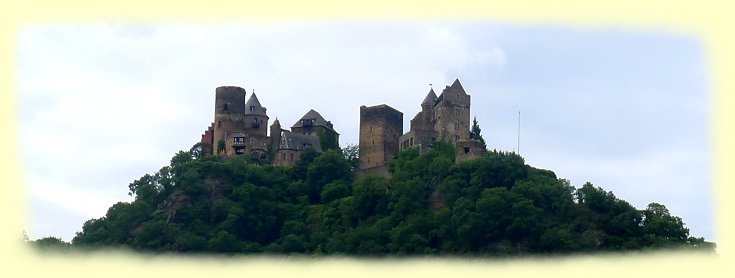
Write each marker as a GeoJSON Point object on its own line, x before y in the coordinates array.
{"type": "Point", "coordinates": [252, 108]}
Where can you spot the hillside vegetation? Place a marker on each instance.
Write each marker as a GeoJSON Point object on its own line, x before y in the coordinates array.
{"type": "Point", "coordinates": [493, 205]}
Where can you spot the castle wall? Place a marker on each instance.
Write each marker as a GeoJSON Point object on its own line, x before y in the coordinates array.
{"type": "Point", "coordinates": [286, 157]}
{"type": "Point", "coordinates": [421, 139]}
{"type": "Point", "coordinates": [208, 139]}
{"type": "Point", "coordinates": [255, 125]}
{"type": "Point", "coordinates": [380, 129]}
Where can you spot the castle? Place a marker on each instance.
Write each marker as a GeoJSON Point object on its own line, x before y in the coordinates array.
{"type": "Point", "coordinates": [444, 117]}
{"type": "Point", "coordinates": [239, 128]}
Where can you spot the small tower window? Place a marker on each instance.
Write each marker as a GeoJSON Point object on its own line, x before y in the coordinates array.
{"type": "Point", "coordinates": [226, 107]}
{"type": "Point", "coordinates": [252, 108]}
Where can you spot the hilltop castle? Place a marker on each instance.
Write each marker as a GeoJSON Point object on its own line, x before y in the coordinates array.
{"type": "Point", "coordinates": [444, 117]}
{"type": "Point", "coordinates": [239, 128]}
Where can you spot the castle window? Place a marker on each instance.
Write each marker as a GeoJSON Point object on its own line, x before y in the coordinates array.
{"type": "Point", "coordinates": [226, 107]}
{"type": "Point", "coordinates": [290, 156]}
{"type": "Point", "coordinates": [283, 156]}
{"type": "Point", "coordinates": [411, 143]}
{"type": "Point", "coordinates": [252, 108]}
{"type": "Point", "coordinates": [466, 149]}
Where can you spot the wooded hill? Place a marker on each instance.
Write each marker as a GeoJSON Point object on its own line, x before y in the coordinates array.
{"type": "Point", "coordinates": [492, 205]}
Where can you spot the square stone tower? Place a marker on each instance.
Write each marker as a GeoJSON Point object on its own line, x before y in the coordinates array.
{"type": "Point", "coordinates": [380, 128]}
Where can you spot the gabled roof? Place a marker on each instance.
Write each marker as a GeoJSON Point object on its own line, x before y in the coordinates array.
{"type": "Point", "coordinates": [430, 98]}
{"type": "Point", "coordinates": [313, 118]}
{"type": "Point", "coordinates": [457, 86]}
{"type": "Point", "coordinates": [253, 107]}
{"type": "Point", "coordinates": [298, 141]}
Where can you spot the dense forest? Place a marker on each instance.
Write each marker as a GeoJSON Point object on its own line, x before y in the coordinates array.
{"type": "Point", "coordinates": [494, 205]}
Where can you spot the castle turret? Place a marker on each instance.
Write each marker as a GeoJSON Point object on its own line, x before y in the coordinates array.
{"type": "Point", "coordinates": [427, 111]}
{"type": "Point", "coordinates": [275, 138]}
{"type": "Point", "coordinates": [256, 118]}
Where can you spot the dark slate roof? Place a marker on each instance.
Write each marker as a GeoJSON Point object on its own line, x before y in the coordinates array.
{"type": "Point", "coordinates": [298, 141]}
{"type": "Point", "coordinates": [313, 116]}
{"type": "Point", "coordinates": [316, 119]}
{"type": "Point", "coordinates": [430, 98]}
{"type": "Point", "coordinates": [253, 107]}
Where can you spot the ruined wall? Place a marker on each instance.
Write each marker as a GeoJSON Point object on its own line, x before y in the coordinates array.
{"type": "Point", "coordinates": [469, 149]}
{"type": "Point", "coordinates": [380, 129]}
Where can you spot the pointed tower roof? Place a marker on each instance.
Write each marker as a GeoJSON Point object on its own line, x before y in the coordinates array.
{"type": "Point", "coordinates": [430, 98]}
{"type": "Point", "coordinates": [276, 122]}
{"type": "Point", "coordinates": [457, 86]}
{"type": "Point", "coordinates": [253, 107]}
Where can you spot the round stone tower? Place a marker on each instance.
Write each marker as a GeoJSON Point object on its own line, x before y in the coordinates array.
{"type": "Point", "coordinates": [229, 110]}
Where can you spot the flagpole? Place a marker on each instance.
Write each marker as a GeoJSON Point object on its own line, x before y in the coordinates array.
{"type": "Point", "coordinates": [518, 146]}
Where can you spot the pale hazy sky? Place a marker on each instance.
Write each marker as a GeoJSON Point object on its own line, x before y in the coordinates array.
{"type": "Point", "coordinates": [103, 104]}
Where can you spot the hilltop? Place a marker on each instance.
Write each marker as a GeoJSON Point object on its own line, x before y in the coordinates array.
{"type": "Point", "coordinates": [491, 205]}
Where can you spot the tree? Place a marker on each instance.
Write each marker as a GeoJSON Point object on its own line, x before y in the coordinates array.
{"type": "Point", "coordinates": [50, 243]}
{"type": "Point", "coordinates": [352, 155]}
{"type": "Point", "coordinates": [200, 149]}
{"type": "Point", "coordinates": [475, 133]}
{"type": "Point", "coordinates": [659, 223]}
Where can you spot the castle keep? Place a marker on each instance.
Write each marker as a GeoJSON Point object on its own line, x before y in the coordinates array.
{"type": "Point", "coordinates": [444, 117]}
{"type": "Point", "coordinates": [239, 128]}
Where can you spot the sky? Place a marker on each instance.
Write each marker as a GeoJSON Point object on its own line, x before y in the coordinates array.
{"type": "Point", "coordinates": [102, 104]}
